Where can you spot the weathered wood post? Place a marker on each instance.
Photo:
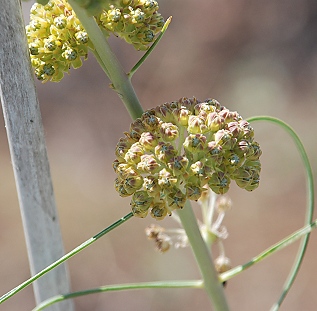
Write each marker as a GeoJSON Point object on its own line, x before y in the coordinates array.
{"type": "Point", "coordinates": [29, 158]}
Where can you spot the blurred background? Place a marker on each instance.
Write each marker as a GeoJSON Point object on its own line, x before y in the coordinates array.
{"type": "Point", "coordinates": [256, 57]}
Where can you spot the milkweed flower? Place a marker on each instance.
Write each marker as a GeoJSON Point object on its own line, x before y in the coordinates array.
{"type": "Point", "coordinates": [178, 150]}
{"type": "Point", "coordinates": [57, 40]}
{"type": "Point", "coordinates": [135, 21]}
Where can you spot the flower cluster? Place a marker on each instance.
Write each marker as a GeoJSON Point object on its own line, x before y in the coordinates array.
{"type": "Point", "coordinates": [136, 21]}
{"type": "Point", "coordinates": [175, 151]}
{"type": "Point", "coordinates": [57, 40]}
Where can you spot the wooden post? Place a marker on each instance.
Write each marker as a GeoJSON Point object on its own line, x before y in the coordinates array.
{"type": "Point", "coordinates": [29, 158]}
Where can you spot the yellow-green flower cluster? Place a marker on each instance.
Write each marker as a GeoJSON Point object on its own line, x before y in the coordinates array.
{"type": "Point", "coordinates": [57, 40]}
{"type": "Point", "coordinates": [136, 21]}
{"type": "Point", "coordinates": [175, 151]}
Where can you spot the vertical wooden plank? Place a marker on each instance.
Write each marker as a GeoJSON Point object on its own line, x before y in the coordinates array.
{"type": "Point", "coordinates": [29, 158]}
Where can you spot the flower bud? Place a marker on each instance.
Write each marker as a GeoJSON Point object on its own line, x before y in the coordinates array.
{"type": "Point", "coordinates": [169, 131]}
{"type": "Point", "coordinates": [137, 129]}
{"type": "Point", "coordinates": [193, 192]}
{"type": "Point", "coordinates": [235, 129]}
{"type": "Point", "coordinates": [165, 112]}
{"type": "Point", "coordinates": [150, 120]}
{"type": "Point", "coordinates": [133, 155]}
{"type": "Point", "coordinates": [119, 186]}
{"type": "Point", "coordinates": [176, 199]}
{"type": "Point", "coordinates": [158, 211]}
{"type": "Point", "coordinates": [214, 122]}
{"type": "Point", "coordinates": [141, 200]}
{"type": "Point", "coordinates": [165, 151]}
{"type": "Point", "coordinates": [195, 143]}
{"type": "Point", "coordinates": [183, 116]}
{"type": "Point", "coordinates": [248, 132]}
{"type": "Point", "coordinates": [219, 183]}
{"type": "Point", "coordinates": [82, 37]}
{"type": "Point", "coordinates": [150, 184]}
{"type": "Point", "coordinates": [255, 152]}
{"type": "Point", "coordinates": [166, 179]}
{"type": "Point", "coordinates": [60, 22]}
{"type": "Point", "coordinates": [148, 140]}
{"type": "Point", "coordinates": [225, 140]}
{"type": "Point", "coordinates": [215, 152]}
{"type": "Point", "coordinates": [178, 165]}
{"type": "Point", "coordinates": [228, 115]}
{"type": "Point", "coordinates": [122, 147]}
{"type": "Point", "coordinates": [196, 125]}
{"type": "Point", "coordinates": [132, 183]}
{"type": "Point", "coordinates": [148, 164]}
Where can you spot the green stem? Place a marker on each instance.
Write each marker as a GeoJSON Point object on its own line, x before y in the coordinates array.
{"type": "Point", "coordinates": [276, 247]}
{"type": "Point", "coordinates": [148, 52]}
{"type": "Point", "coordinates": [120, 287]}
{"type": "Point", "coordinates": [310, 204]}
{"type": "Point", "coordinates": [65, 257]}
{"type": "Point", "coordinates": [202, 254]}
{"type": "Point", "coordinates": [112, 67]}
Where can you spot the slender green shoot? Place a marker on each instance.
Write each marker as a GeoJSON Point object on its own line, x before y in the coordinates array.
{"type": "Point", "coordinates": [310, 203]}
{"type": "Point", "coordinates": [146, 285]}
{"type": "Point", "coordinates": [202, 254]}
{"type": "Point", "coordinates": [270, 251]}
{"type": "Point", "coordinates": [65, 257]}
{"type": "Point", "coordinates": [148, 52]}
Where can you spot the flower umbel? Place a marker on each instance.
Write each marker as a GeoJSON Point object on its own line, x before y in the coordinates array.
{"type": "Point", "coordinates": [135, 21]}
{"type": "Point", "coordinates": [175, 151]}
{"type": "Point", "coordinates": [57, 40]}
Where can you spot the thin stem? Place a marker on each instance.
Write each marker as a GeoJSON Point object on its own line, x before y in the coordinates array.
{"type": "Point", "coordinates": [202, 254]}
{"type": "Point", "coordinates": [65, 257]}
{"type": "Point", "coordinates": [276, 247]}
{"type": "Point", "coordinates": [120, 287]}
{"type": "Point", "coordinates": [212, 203]}
{"type": "Point", "coordinates": [310, 204]}
{"type": "Point", "coordinates": [112, 67]}
{"type": "Point", "coordinates": [148, 52]}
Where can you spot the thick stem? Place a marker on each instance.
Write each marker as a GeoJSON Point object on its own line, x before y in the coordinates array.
{"type": "Point", "coordinates": [114, 70]}
{"type": "Point", "coordinates": [202, 254]}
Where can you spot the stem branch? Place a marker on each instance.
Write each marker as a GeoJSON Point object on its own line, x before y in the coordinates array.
{"type": "Point", "coordinates": [310, 203]}
{"type": "Point", "coordinates": [120, 287]}
{"type": "Point", "coordinates": [65, 257]}
{"type": "Point", "coordinates": [271, 250]}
